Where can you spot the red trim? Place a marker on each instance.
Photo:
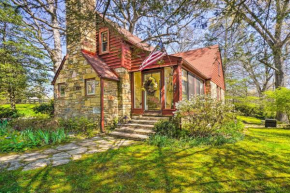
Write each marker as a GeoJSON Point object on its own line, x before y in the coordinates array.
{"type": "Point", "coordinates": [88, 52]}
{"type": "Point", "coordinates": [59, 68]}
{"type": "Point", "coordinates": [102, 107]}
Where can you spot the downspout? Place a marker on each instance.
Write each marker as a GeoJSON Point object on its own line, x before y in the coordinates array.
{"type": "Point", "coordinates": [102, 107]}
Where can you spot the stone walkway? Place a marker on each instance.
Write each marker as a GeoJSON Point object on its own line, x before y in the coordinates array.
{"type": "Point", "coordinates": [61, 154]}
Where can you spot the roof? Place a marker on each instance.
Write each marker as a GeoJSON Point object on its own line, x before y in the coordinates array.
{"type": "Point", "coordinates": [129, 37]}
{"type": "Point", "coordinates": [201, 59]}
{"type": "Point", "coordinates": [100, 67]}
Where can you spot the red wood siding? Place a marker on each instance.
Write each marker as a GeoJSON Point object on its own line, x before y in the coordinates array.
{"type": "Point", "coordinates": [218, 78]}
{"type": "Point", "coordinates": [114, 58]}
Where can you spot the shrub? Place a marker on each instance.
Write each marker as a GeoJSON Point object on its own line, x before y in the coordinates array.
{"type": "Point", "coordinates": [34, 123]}
{"type": "Point", "coordinates": [168, 128]}
{"type": "Point", "coordinates": [8, 113]}
{"type": "Point", "coordinates": [250, 110]}
{"type": "Point", "coordinates": [78, 125]}
{"type": "Point", "coordinates": [45, 108]}
{"type": "Point", "coordinates": [278, 101]}
{"type": "Point", "coordinates": [203, 116]}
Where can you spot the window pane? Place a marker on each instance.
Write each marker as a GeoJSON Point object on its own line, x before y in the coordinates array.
{"type": "Point", "coordinates": [202, 88]}
{"type": "Point", "coordinates": [61, 90]}
{"type": "Point", "coordinates": [168, 74]}
{"type": "Point", "coordinates": [90, 87]}
{"type": "Point", "coordinates": [104, 37]}
{"type": "Point", "coordinates": [191, 85]}
{"type": "Point", "coordinates": [137, 90]}
{"type": "Point", "coordinates": [184, 85]}
{"type": "Point", "coordinates": [197, 86]}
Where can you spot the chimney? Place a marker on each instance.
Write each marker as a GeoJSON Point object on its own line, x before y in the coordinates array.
{"type": "Point", "coordinates": [81, 26]}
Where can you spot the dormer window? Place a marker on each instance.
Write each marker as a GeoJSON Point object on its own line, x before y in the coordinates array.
{"type": "Point", "coordinates": [104, 41]}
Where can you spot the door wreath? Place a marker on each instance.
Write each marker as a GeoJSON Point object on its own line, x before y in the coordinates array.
{"type": "Point", "coordinates": [150, 85]}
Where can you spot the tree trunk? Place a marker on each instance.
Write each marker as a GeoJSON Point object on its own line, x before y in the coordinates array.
{"type": "Point", "coordinates": [57, 53]}
{"type": "Point", "coordinates": [279, 78]}
{"type": "Point", "coordinates": [12, 98]}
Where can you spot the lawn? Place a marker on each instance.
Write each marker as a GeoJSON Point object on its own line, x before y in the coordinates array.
{"type": "Point", "coordinates": [250, 120]}
{"type": "Point", "coordinates": [259, 163]}
{"type": "Point", "coordinates": [25, 109]}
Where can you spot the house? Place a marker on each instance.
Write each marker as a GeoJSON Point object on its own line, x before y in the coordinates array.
{"type": "Point", "coordinates": [99, 78]}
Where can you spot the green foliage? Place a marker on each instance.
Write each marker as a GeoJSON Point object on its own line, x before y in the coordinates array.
{"type": "Point", "coordinates": [45, 108]}
{"type": "Point", "coordinates": [203, 116]}
{"type": "Point", "coordinates": [250, 106]}
{"type": "Point", "coordinates": [168, 128]}
{"type": "Point", "coordinates": [230, 132]}
{"type": "Point", "coordinates": [42, 123]}
{"type": "Point", "coordinates": [12, 140]}
{"type": "Point", "coordinates": [278, 101]}
{"type": "Point", "coordinates": [9, 113]}
{"type": "Point", "coordinates": [26, 110]}
{"type": "Point", "coordinates": [78, 125]}
{"type": "Point", "coordinates": [21, 62]}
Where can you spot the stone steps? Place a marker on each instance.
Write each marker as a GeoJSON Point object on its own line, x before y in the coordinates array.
{"type": "Point", "coordinates": [139, 128]}
{"type": "Point", "coordinates": [134, 130]}
{"type": "Point", "coordinates": [149, 118]}
{"type": "Point", "coordinates": [134, 136]}
{"type": "Point", "coordinates": [148, 122]}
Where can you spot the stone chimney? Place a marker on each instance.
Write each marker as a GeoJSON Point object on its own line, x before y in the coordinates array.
{"type": "Point", "coordinates": [81, 26]}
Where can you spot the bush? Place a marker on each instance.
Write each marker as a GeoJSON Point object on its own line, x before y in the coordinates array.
{"type": "Point", "coordinates": [250, 110]}
{"type": "Point", "coordinates": [168, 128]}
{"type": "Point", "coordinates": [8, 113]}
{"type": "Point", "coordinates": [278, 101]}
{"type": "Point", "coordinates": [78, 125]}
{"type": "Point", "coordinates": [203, 116]}
{"type": "Point", "coordinates": [45, 108]}
{"type": "Point", "coordinates": [34, 123]}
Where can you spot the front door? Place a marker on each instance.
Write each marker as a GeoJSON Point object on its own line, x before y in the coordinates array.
{"type": "Point", "coordinates": [152, 91]}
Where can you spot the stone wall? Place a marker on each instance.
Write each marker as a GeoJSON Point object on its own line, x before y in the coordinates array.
{"type": "Point", "coordinates": [75, 103]}
{"type": "Point", "coordinates": [110, 102]}
{"type": "Point", "coordinates": [124, 94]}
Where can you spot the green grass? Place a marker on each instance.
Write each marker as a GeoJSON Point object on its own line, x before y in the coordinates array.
{"type": "Point", "coordinates": [25, 109]}
{"type": "Point", "coordinates": [259, 163]}
{"type": "Point", "coordinates": [250, 120]}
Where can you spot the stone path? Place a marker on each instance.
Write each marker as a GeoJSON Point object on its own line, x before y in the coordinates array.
{"type": "Point", "coordinates": [61, 154]}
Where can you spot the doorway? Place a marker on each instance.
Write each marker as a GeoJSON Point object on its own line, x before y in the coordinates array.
{"type": "Point", "coordinates": [152, 91]}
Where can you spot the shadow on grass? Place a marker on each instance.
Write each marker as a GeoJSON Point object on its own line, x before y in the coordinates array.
{"type": "Point", "coordinates": [245, 166]}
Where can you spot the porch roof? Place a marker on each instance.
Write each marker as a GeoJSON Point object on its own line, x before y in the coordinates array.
{"type": "Point", "coordinates": [101, 68]}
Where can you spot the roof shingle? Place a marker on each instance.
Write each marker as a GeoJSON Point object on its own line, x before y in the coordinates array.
{"type": "Point", "coordinates": [202, 59]}
{"type": "Point", "coordinates": [101, 68]}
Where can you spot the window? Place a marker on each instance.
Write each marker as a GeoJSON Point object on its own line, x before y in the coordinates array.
{"type": "Point", "coordinates": [137, 90]}
{"type": "Point", "coordinates": [191, 85]}
{"type": "Point", "coordinates": [104, 41]}
{"type": "Point", "coordinates": [61, 90]}
{"type": "Point", "coordinates": [168, 75]}
{"type": "Point", "coordinates": [184, 85]}
{"type": "Point", "coordinates": [90, 87]}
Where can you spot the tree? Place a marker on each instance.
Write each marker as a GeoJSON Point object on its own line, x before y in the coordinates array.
{"type": "Point", "coordinates": [270, 21]}
{"type": "Point", "coordinates": [153, 20]}
{"type": "Point", "coordinates": [47, 20]}
{"type": "Point", "coordinates": [278, 101]}
{"type": "Point", "coordinates": [20, 62]}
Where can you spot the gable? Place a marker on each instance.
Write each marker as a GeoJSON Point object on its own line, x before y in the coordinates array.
{"type": "Point", "coordinates": [88, 64]}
